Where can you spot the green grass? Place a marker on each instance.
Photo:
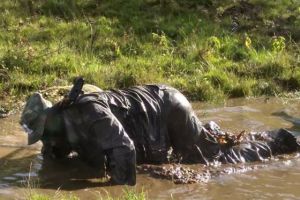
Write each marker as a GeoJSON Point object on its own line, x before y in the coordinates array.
{"type": "Point", "coordinates": [187, 44]}
{"type": "Point", "coordinates": [37, 196]}
{"type": "Point", "coordinates": [32, 192]}
{"type": "Point", "coordinates": [127, 194]}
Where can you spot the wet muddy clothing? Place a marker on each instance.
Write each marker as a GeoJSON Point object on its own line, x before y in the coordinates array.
{"type": "Point", "coordinates": [140, 124]}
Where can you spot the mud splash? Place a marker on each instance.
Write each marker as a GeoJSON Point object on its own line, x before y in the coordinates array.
{"type": "Point", "coordinates": [188, 174]}
{"type": "Point", "coordinates": [176, 173]}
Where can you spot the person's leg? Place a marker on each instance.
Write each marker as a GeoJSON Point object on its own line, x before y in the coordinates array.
{"type": "Point", "coordinates": [187, 135]}
{"type": "Point", "coordinates": [195, 143]}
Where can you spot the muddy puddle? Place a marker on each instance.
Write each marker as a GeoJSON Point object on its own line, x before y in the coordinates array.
{"type": "Point", "coordinates": [22, 167]}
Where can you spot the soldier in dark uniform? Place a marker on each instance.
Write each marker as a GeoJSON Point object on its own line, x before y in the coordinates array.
{"type": "Point", "coordinates": [139, 125]}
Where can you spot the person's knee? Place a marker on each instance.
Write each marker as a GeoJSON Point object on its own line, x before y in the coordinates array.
{"type": "Point", "coordinates": [182, 122]}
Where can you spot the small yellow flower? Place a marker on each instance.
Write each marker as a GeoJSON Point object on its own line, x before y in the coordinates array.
{"type": "Point", "coordinates": [248, 42]}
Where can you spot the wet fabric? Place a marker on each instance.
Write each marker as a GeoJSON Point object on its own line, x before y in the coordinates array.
{"type": "Point", "coordinates": [140, 125]}
{"type": "Point", "coordinates": [256, 146]}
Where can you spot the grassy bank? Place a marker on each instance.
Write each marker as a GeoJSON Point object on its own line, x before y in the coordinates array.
{"type": "Point", "coordinates": [208, 49]}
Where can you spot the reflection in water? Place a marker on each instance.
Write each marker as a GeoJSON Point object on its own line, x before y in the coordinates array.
{"type": "Point", "coordinates": [275, 179]}
{"type": "Point", "coordinates": [16, 166]}
{"type": "Point", "coordinates": [69, 174]}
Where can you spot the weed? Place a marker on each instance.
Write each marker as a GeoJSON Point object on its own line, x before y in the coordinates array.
{"type": "Point", "coordinates": [278, 43]}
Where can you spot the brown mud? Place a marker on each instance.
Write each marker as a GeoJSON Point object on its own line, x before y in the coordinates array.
{"type": "Point", "coordinates": [185, 174]}
{"type": "Point", "coordinates": [176, 173]}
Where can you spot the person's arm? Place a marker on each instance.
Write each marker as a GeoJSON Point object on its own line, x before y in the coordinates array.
{"type": "Point", "coordinates": [109, 133]}
{"type": "Point", "coordinates": [55, 143]}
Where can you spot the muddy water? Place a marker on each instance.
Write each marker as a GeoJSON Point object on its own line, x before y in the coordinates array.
{"type": "Point", "coordinates": [277, 179]}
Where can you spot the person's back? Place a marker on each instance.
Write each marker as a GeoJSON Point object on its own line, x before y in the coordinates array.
{"type": "Point", "coordinates": [139, 110]}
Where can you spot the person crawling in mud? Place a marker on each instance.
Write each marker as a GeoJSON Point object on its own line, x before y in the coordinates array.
{"type": "Point", "coordinates": [122, 128]}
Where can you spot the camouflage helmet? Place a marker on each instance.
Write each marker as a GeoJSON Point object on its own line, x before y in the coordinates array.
{"type": "Point", "coordinates": [33, 117]}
